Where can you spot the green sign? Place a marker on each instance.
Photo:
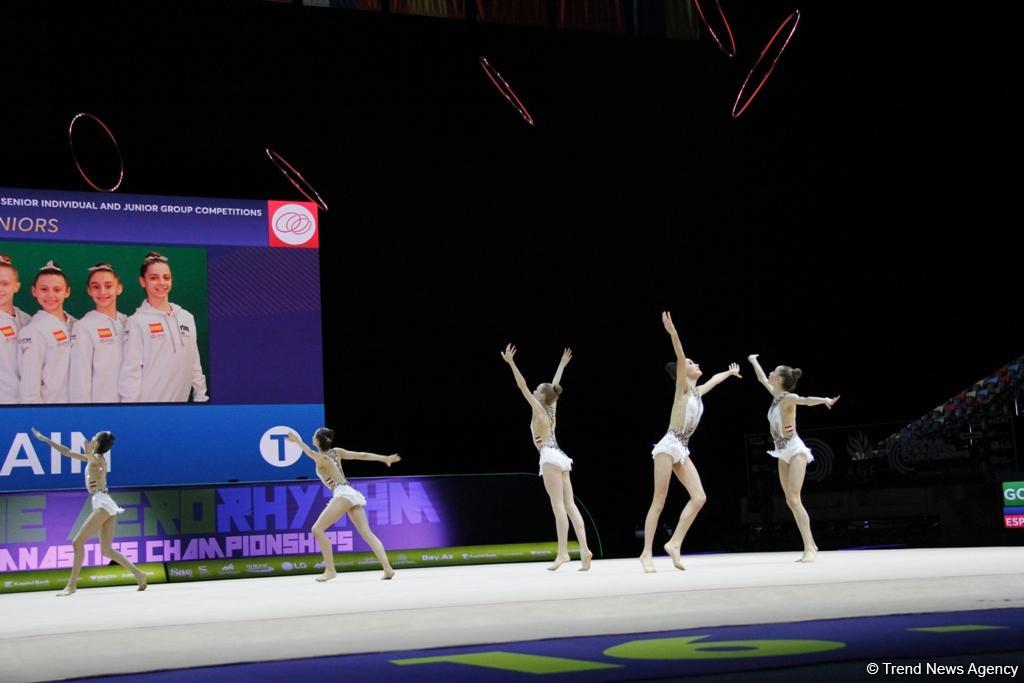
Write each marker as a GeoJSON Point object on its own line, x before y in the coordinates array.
{"type": "Point", "coordinates": [1013, 494]}
{"type": "Point", "coordinates": [57, 579]}
{"type": "Point", "coordinates": [287, 565]}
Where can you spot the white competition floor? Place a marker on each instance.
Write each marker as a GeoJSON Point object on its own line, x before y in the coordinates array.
{"type": "Point", "coordinates": [119, 630]}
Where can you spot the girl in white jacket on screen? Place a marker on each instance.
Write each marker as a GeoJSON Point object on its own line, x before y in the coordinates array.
{"type": "Point", "coordinates": [161, 355]}
{"type": "Point", "coordinates": [12, 319]}
{"type": "Point", "coordinates": [97, 341]}
{"type": "Point", "coordinates": [44, 345]}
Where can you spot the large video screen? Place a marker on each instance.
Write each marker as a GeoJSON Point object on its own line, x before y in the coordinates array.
{"type": "Point", "coordinates": [188, 327]}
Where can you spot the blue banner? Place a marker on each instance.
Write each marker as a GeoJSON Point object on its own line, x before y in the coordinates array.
{"type": "Point", "coordinates": [158, 445]}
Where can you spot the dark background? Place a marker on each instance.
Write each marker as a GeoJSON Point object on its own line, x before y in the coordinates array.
{"type": "Point", "coordinates": [858, 221]}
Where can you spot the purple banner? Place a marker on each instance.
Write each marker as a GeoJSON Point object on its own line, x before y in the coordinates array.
{"type": "Point", "coordinates": [47, 215]}
{"type": "Point", "coordinates": [265, 332]}
{"type": "Point", "coordinates": [233, 521]}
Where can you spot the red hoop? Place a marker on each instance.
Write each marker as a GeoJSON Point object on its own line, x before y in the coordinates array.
{"type": "Point", "coordinates": [74, 156]}
{"type": "Point", "coordinates": [506, 90]}
{"type": "Point", "coordinates": [714, 35]}
{"type": "Point", "coordinates": [278, 160]}
{"type": "Point", "coordinates": [796, 16]}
